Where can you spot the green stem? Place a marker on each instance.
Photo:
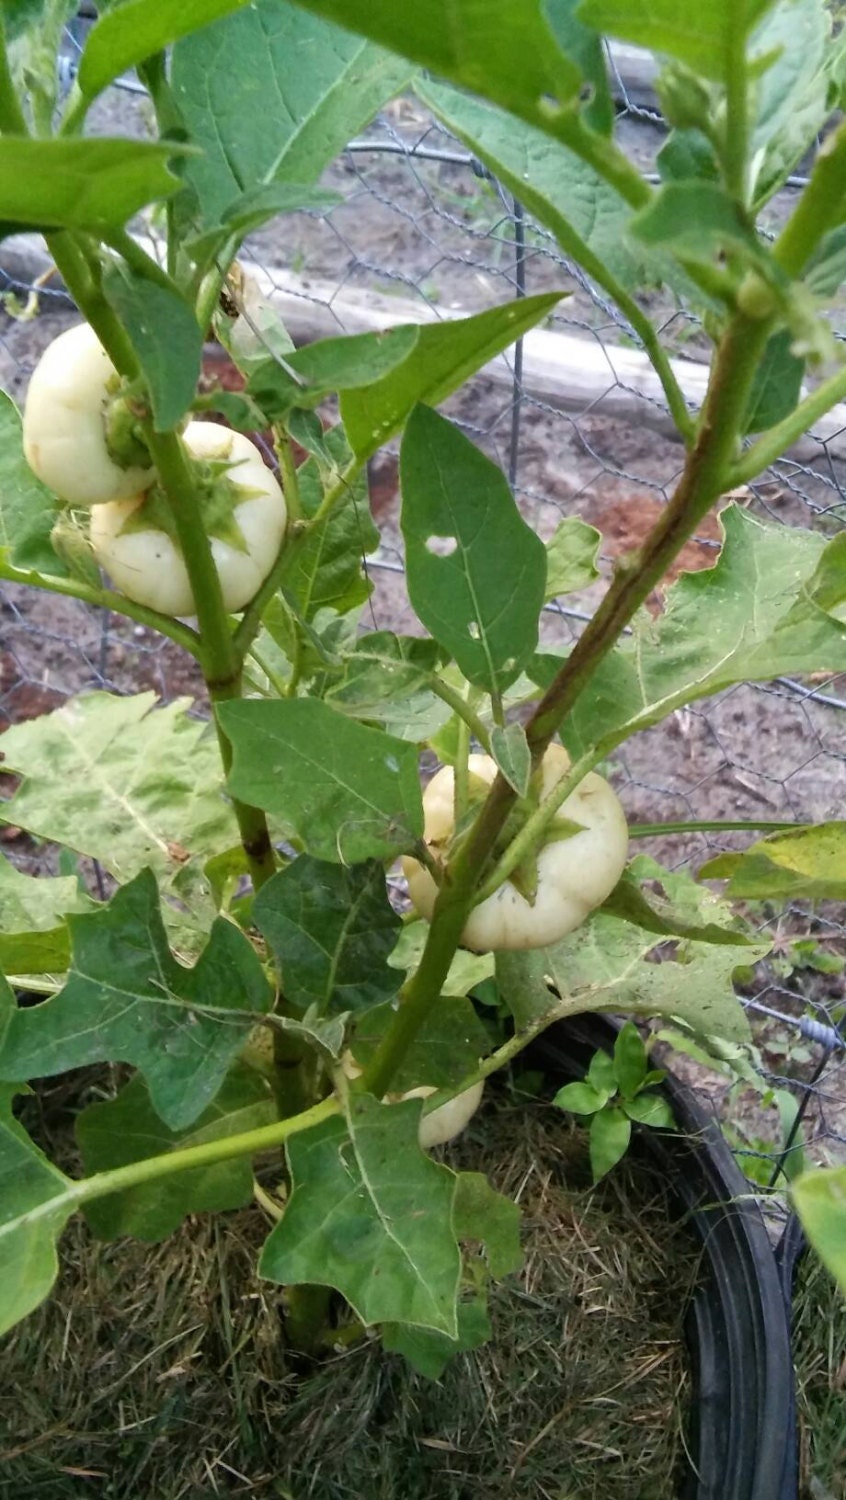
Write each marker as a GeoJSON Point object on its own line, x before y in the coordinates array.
{"type": "Point", "coordinates": [290, 478]}
{"type": "Point", "coordinates": [152, 1168]}
{"type": "Point", "coordinates": [461, 708]}
{"type": "Point", "coordinates": [250, 623]}
{"type": "Point", "coordinates": [777, 440]}
{"type": "Point", "coordinates": [735, 146]}
{"type": "Point", "coordinates": [532, 831]}
{"type": "Point", "coordinates": [252, 822]}
{"type": "Point", "coordinates": [81, 279]}
{"type": "Point", "coordinates": [819, 209]}
{"type": "Point", "coordinates": [602, 154]}
{"type": "Point", "coordinates": [279, 684]}
{"type": "Point", "coordinates": [705, 477]}
{"type": "Point", "coordinates": [701, 483]}
{"type": "Point", "coordinates": [213, 282]}
{"type": "Point", "coordinates": [221, 658]}
{"type": "Point", "coordinates": [12, 119]}
{"type": "Point", "coordinates": [709, 825]}
{"type": "Point", "coordinates": [307, 1317]}
{"type": "Point", "coordinates": [138, 260]}
{"type": "Point", "coordinates": [183, 635]}
{"type": "Point", "coordinates": [273, 1209]}
{"type": "Point", "coordinates": [461, 773]}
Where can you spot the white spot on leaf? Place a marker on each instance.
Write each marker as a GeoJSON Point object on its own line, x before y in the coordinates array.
{"type": "Point", "coordinates": [441, 546]}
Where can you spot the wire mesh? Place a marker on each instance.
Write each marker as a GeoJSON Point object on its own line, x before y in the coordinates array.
{"type": "Point", "coordinates": [422, 230]}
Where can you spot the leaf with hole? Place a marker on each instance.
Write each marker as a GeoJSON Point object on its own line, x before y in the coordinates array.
{"type": "Point", "coordinates": [476, 571]}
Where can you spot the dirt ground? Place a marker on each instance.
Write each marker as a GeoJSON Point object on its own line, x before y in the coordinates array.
{"type": "Point", "coordinates": [438, 232]}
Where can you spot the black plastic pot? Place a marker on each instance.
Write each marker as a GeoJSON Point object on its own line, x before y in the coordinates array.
{"type": "Point", "coordinates": [742, 1442]}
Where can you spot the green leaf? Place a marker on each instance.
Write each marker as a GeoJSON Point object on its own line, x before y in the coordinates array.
{"type": "Point", "coordinates": [33, 935]}
{"type": "Point", "coordinates": [449, 1045]}
{"type": "Point", "coordinates": [581, 1098]}
{"type": "Point", "coordinates": [109, 778]}
{"type": "Point", "coordinates": [505, 48]}
{"type": "Point", "coordinates": [806, 864]}
{"type": "Point", "coordinates": [128, 1000]}
{"type": "Point", "coordinates": [607, 965]}
{"type": "Point", "coordinates": [386, 678]}
{"type": "Point", "coordinates": [28, 510]}
{"type": "Point", "coordinates": [652, 1110]}
{"type": "Point", "coordinates": [819, 1197]}
{"type": "Point", "coordinates": [510, 750]}
{"type": "Point", "coordinates": [610, 1133]}
{"type": "Point", "coordinates": [330, 928]}
{"type": "Point", "coordinates": [826, 271]}
{"type": "Point", "coordinates": [252, 209]}
{"type": "Point", "coordinates": [777, 386]}
{"type": "Point", "coordinates": [703, 37]}
{"type": "Point", "coordinates": [349, 792]}
{"type": "Point", "coordinates": [761, 612]}
{"type": "Point", "coordinates": [166, 337]}
{"type": "Point", "coordinates": [428, 1352]}
{"type": "Point", "coordinates": [310, 374]}
{"type": "Point", "coordinates": [476, 571]}
{"type": "Point", "coordinates": [630, 1060]}
{"type": "Point", "coordinates": [696, 219]}
{"type": "Point", "coordinates": [681, 907]}
{"type": "Point", "coordinates": [584, 46]}
{"type": "Point", "coordinates": [36, 1201]}
{"type": "Point", "coordinates": [445, 355]}
{"type": "Point", "coordinates": [135, 30]}
{"type": "Point", "coordinates": [794, 96]}
{"type": "Point", "coordinates": [601, 1073]}
{"type": "Point", "coordinates": [370, 1214]}
{"type": "Point", "coordinates": [81, 184]}
{"type": "Point", "coordinates": [271, 94]}
{"type": "Point", "coordinates": [325, 572]}
{"type": "Point", "coordinates": [571, 556]}
{"type": "Point", "coordinates": [128, 1129]}
{"type": "Point", "coordinates": [588, 217]}
{"type": "Point", "coordinates": [687, 153]}
{"type": "Point", "coordinates": [466, 972]}
{"type": "Point", "coordinates": [481, 1213]}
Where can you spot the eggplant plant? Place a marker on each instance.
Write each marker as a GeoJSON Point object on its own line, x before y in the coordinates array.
{"type": "Point", "coordinates": [286, 1029]}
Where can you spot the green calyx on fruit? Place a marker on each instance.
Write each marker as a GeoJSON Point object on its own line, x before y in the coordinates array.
{"type": "Point", "coordinates": [66, 439]}
{"type": "Point", "coordinates": [243, 511]}
{"type": "Point", "coordinates": [555, 891]}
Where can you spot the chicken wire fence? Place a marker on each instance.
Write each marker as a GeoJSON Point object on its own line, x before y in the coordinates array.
{"type": "Point", "coordinates": [421, 230]}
